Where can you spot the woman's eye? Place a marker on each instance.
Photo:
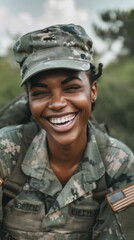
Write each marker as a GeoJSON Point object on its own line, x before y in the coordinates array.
{"type": "Point", "coordinates": [72, 88]}
{"type": "Point", "coordinates": [39, 93]}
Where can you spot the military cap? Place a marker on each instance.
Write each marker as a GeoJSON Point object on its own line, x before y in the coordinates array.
{"type": "Point", "coordinates": [58, 46]}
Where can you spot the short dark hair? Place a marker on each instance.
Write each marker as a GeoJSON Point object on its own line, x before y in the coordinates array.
{"type": "Point", "coordinates": [94, 76]}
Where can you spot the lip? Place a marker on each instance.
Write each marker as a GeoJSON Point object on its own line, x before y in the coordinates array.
{"type": "Point", "coordinates": [64, 126]}
{"type": "Point", "coordinates": [60, 115]}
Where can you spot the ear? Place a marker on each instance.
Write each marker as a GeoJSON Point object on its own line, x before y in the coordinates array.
{"type": "Point", "coordinates": [94, 92]}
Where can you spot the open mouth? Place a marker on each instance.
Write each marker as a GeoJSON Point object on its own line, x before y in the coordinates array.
{"type": "Point", "coordinates": [62, 121]}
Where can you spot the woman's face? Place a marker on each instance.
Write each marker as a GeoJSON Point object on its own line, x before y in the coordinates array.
{"type": "Point", "coordinates": [60, 101]}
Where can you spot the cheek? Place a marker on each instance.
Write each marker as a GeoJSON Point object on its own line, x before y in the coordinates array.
{"type": "Point", "coordinates": [85, 103]}
{"type": "Point", "coordinates": [36, 108]}
{"type": "Point", "coordinates": [83, 100]}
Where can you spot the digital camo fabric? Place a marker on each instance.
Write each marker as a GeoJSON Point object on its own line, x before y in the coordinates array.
{"type": "Point", "coordinates": [45, 209]}
{"type": "Point", "coordinates": [15, 112]}
{"type": "Point", "coordinates": [58, 46]}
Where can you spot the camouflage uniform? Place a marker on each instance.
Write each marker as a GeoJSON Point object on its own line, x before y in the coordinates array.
{"type": "Point", "coordinates": [15, 112]}
{"type": "Point", "coordinates": [45, 209]}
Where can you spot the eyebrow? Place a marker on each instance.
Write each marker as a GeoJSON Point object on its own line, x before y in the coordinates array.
{"type": "Point", "coordinates": [43, 85]}
{"type": "Point", "coordinates": [69, 79]}
{"type": "Point", "coordinates": [38, 84]}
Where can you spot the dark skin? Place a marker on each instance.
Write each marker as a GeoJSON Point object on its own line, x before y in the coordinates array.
{"type": "Point", "coordinates": [66, 163]}
{"type": "Point", "coordinates": [61, 103]}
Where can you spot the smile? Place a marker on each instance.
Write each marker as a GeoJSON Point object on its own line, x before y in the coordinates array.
{"type": "Point", "coordinates": [64, 120]}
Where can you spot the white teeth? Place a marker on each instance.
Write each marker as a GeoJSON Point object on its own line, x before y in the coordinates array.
{"type": "Point", "coordinates": [64, 119]}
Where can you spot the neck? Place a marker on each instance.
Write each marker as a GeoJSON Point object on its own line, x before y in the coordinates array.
{"type": "Point", "coordinates": [65, 159]}
{"type": "Point", "coordinates": [67, 155]}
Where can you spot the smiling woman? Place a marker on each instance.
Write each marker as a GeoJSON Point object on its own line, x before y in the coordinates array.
{"type": "Point", "coordinates": [60, 101]}
{"type": "Point", "coordinates": [57, 171]}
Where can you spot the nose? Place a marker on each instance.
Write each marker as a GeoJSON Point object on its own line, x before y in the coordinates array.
{"type": "Point", "coordinates": [57, 101]}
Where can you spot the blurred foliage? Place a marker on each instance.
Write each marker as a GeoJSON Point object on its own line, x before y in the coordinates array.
{"type": "Point", "coordinates": [115, 104]}
{"type": "Point", "coordinates": [9, 80]}
{"type": "Point", "coordinates": [116, 92]}
{"type": "Point", "coordinates": [117, 25]}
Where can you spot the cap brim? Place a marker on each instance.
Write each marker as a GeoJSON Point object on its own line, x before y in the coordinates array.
{"type": "Point", "coordinates": [55, 64]}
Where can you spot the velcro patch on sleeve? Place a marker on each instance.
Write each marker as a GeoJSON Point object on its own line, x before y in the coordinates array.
{"type": "Point", "coordinates": [121, 199]}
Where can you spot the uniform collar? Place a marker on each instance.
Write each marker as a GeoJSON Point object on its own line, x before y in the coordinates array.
{"type": "Point", "coordinates": [36, 158]}
{"type": "Point", "coordinates": [92, 163]}
{"type": "Point", "coordinates": [36, 164]}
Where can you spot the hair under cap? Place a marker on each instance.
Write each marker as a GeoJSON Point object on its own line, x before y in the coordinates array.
{"type": "Point", "coordinates": [59, 46]}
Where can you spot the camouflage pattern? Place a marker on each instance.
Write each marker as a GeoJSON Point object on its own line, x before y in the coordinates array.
{"type": "Point", "coordinates": [58, 46]}
{"type": "Point", "coordinates": [44, 209]}
{"type": "Point", "coordinates": [15, 112]}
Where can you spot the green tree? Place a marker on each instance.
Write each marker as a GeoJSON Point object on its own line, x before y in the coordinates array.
{"type": "Point", "coordinates": [116, 98]}
{"type": "Point", "coordinates": [118, 25]}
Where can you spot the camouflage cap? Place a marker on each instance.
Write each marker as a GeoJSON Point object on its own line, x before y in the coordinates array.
{"type": "Point", "coordinates": [59, 46]}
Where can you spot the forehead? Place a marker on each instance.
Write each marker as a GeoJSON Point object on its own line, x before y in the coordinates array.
{"type": "Point", "coordinates": [54, 73]}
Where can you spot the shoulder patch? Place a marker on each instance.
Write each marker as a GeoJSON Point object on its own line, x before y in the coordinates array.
{"type": "Point", "coordinates": [121, 199]}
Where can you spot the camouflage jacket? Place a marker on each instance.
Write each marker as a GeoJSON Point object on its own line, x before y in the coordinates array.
{"type": "Point", "coordinates": [45, 209]}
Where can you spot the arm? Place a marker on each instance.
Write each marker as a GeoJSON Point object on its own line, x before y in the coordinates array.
{"type": "Point", "coordinates": [111, 224]}
{"type": "Point", "coordinates": [9, 151]}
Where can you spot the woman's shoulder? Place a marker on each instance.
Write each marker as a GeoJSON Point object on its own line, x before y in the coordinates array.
{"type": "Point", "coordinates": [10, 135]}
{"type": "Point", "coordinates": [116, 145]}
{"type": "Point", "coordinates": [13, 141]}
{"type": "Point", "coordinates": [10, 146]}
{"type": "Point", "coordinates": [119, 162]}
{"type": "Point", "coordinates": [17, 133]}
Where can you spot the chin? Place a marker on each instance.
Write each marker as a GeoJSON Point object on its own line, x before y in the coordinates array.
{"type": "Point", "coordinates": [67, 139]}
